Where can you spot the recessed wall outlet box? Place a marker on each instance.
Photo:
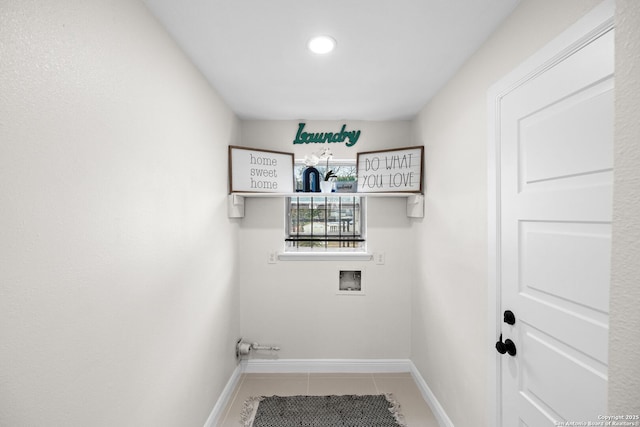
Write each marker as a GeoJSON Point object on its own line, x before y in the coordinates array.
{"type": "Point", "coordinates": [350, 281]}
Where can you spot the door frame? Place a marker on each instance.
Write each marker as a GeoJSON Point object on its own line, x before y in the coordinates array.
{"type": "Point", "coordinates": [595, 23]}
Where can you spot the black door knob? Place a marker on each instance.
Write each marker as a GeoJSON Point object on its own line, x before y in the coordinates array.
{"type": "Point", "coordinates": [510, 346]}
{"type": "Point", "coordinates": [507, 346]}
{"type": "Point", "coordinates": [500, 346]}
{"type": "Point", "coordinates": [509, 317]}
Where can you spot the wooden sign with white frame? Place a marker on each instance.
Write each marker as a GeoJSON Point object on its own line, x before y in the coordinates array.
{"type": "Point", "coordinates": [396, 170]}
{"type": "Point", "coordinates": [260, 171]}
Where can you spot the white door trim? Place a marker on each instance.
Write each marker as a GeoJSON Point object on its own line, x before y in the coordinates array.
{"type": "Point", "coordinates": [590, 27]}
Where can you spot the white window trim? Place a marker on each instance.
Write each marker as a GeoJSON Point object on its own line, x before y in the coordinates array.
{"type": "Point", "coordinates": [303, 254]}
{"type": "Point", "coordinates": [325, 256]}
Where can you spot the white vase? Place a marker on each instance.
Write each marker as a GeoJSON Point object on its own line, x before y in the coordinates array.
{"type": "Point", "coordinates": [326, 186]}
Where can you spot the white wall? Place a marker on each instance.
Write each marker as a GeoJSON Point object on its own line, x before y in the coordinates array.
{"type": "Point", "coordinates": [624, 337]}
{"type": "Point", "coordinates": [449, 335]}
{"type": "Point", "coordinates": [117, 297]}
{"type": "Point", "coordinates": [117, 261]}
{"type": "Point", "coordinates": [293, 303]}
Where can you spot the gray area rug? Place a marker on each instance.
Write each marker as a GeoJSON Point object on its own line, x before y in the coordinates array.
{"type": "Point", "coordinates": [322, 411]}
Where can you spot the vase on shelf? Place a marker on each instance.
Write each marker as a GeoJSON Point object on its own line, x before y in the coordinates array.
{"type": "Point", "coordinates": [311, 180]}
{"type": "Point", "coordinates": [326, 186]}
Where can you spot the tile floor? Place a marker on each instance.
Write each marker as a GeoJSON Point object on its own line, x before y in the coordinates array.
{"type": "Point", "coordinates": [415, 410]}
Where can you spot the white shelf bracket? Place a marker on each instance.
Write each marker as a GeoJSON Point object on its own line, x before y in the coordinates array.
{"type": "Point", "coordinates": [415, 206]}
{"type": "Point", "coordinates": [235, 206]}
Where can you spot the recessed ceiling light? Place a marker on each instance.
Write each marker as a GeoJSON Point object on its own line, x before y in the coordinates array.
{"type": "Point", "coordinates": [321, 44]}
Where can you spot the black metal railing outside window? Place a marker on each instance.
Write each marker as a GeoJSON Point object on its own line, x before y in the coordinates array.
{"type": "Point", "coordinates": [325, 222]}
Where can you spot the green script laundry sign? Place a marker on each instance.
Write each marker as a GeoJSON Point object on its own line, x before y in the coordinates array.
{"type": "Point", "coordinates": [349, 138]}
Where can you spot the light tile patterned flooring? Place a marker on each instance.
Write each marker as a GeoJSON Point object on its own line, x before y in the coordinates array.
{"type": "Point", "coordinates": [415, 410]}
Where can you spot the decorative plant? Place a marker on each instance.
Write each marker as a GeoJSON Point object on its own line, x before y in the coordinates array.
{"type": "Point", "coordinates": [329, 175]}
{"type": "Point", "coordinates": [327, 154]}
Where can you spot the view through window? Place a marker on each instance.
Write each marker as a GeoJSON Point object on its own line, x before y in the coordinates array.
{"type": "Point", "coordinates": [327, 221]}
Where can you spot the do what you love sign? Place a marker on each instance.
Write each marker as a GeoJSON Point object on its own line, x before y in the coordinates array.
{"type": "Point", "coordinates": [396, 170]}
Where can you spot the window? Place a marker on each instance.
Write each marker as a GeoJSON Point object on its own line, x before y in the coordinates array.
{"type": "Point", "coordinates": [323, 222]}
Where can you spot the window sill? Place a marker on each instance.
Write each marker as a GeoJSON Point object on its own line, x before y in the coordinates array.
{"type": "Point", "coordinates": [325, 256]}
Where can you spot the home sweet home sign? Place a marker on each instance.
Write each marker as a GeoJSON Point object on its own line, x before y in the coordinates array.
{"type": "Point", "coordinates": [261, 171]}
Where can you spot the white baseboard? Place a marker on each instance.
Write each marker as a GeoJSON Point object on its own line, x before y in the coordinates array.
{"type": "Point", "coordinates": [437, 409]}
{"type": "Point", "coordinates": [263, 366]}
{"type": "Point", "coordinates": [225, 397]}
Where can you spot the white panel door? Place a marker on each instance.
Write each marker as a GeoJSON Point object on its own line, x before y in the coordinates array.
{"type": "Point", "coordinates": [554, 220]}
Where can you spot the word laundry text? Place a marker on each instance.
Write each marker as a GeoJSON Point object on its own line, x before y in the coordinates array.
{"type": "Point", "coordinates": [326, 137]}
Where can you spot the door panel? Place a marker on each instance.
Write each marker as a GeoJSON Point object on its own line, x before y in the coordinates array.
{"type": "Point", "coordinates": [566, 261]}
{"type": "Point", "coordinates": [572, 371]}
{"type": "Point", "coordinates": [565, 321]}
{"type": "Point", "coordinates": [556, 140]}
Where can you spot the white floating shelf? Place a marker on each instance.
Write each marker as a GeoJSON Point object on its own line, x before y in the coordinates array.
{"type": "Point", "coordinates": [235, 201]}
{"type": "Point", "coordinates": [315, 194]}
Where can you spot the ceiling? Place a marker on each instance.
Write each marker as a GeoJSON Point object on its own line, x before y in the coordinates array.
{"type": "Point", "coordinates": [391, 56]}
